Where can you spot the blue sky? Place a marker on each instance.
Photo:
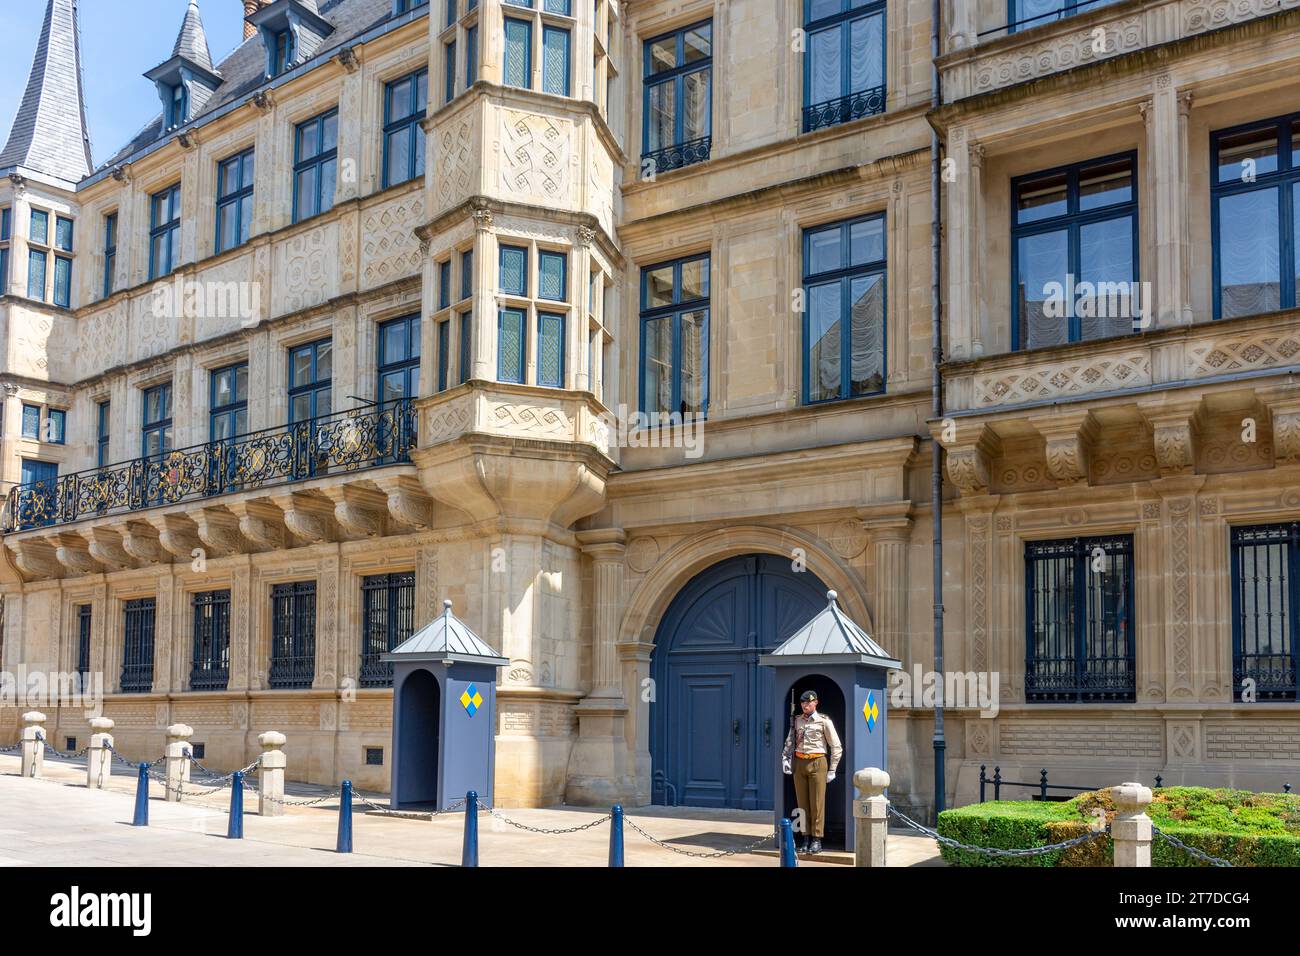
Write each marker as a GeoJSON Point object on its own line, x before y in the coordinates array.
{"type": "Point", "coordinates": [120, 40]}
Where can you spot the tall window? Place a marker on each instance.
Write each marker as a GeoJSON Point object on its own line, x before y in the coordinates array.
{"type": "Point", "coordinates": [177, 105]}
{"type": "Point", "coordinates": [62, 264]}
{"type": "Point", "coordinates": [387, 619]}
{"type": "Point", "coordinates": [555, 60]}
{"type": "Point", "coordinates": [1079, 628]}
{"type": "Point", "coordinates": [466, 327]}
{"type": "Point", "coordinates": [675, 337]}
{"type": "Point", "coordinates": [512, 319]}
{"type": "Point", "coordinates": [210, 664]}
{"type": "Point", "coordinates": [404, 108]}
{"type": "Point", "coordinates": [1024, 14]}
{"type": "Point", "coordinates": [293, 635]}
{"type": "Point", "coordinates": [101, 433]}
{"type": "Point", "coordinates": [56, 426]}
{"type": "Point", "coordinates": [282, 52]}
{"type": "Point", "coordinates": [471, 56]}
{"type": "Point", "coordinates": [518, 66]}
{"type": "Point", "coordinates": [1255, 212]}
{"type": "Point", "coordinates": [164, 231]}
{"type": "Point", "coordinates": [157, 427]}
{"type": "Point", "coordinates": [38, 261]}
{"type": "Point", "coordinates": [83, 642]}
{"type": "Point", "coordinates": [1074, 253]}
{"type": "Point", "coordinates": [550, 349]}
{"type": "Point", "coordinates": [110, 253]}
{"type": "Point", "coordinates": [449, 72]}
{"type": "Point", "coordinates": [32, 422]}
{"type": "Point", "coordinates": [844, 66]}
{"type": "Point", "coordinates": [6, 230]}
{"type": "Point", "coordinates": [678, 126]}
{"type": "Point", "coordinates": [315, 165]}
{"type": "Point", "coordinates": [41, 247]}
{"type": "Point", "coordinates": [228, 402]}
{"type": "Point", "coordinates": [234, 200]}
{"type": "Point", "coordinates": [844, 309]}
{"type": "Point", "coordinates": [444, 350]}
{"type": "Point", "coordinates": [311, 370]}
{"type": "Point", "coordinates": [399, 359]}
{"type": "Point", "coordinates": [137, 646]}
{"type": "Point", "coordinates": [1264, 607]}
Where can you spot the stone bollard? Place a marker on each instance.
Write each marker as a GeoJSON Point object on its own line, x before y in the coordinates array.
{"type": "Point", "coordinates": [1131, 828]}
{"type": "Point", "coordinates": [270, 774]}
{"type": "Point", "coordinates": [99, 755]}
{"type": "Point", "coordinates": [178, 755]}
{"type": "Point", "coordinates": [871, 817]}
{"type": "Point", "coordinates": [33, 743]}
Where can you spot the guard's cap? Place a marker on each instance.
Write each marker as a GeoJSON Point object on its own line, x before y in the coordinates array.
{"type": "Point", "coordinates": [807, 696]}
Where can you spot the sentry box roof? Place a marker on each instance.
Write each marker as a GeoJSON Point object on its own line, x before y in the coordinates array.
{"type": "Point", "coordinates": [446, 638]}
{"type": "Point", "coordinates": [831, 638]}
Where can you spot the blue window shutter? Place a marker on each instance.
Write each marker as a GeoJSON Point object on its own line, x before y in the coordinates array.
{"type": "Point", "coordinates": [519, 54]}
{"type": "Point", "coordinates": [555, 61]}
{"type": "Point", "coordinates": [550, 350]}
{"type": "Point", "coordinates": [510, 360]}
{"type": "Point", "coordinates": [514, 270]}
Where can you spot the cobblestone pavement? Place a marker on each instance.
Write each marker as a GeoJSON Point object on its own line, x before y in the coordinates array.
{"type": "Point", "coordinates": [57, 821]}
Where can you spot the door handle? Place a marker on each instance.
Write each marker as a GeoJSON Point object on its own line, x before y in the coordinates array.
{"type": "Point", "coordinates": [735, 731]}
{"type": "Point", "coordinates": [767, 732]}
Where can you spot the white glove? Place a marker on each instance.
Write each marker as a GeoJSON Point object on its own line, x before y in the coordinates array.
{"type": "Point", "coordinates": [830, 776]}
{"type": "Point", "coordinates": [785, 766]}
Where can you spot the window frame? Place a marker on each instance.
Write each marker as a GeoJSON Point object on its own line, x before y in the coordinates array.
{"type": "Point", "coordinates": [411, 121]}
{"type": "Point", "coordinates": [398, 612]}
{"type": "Point", "coordinates": [168, 229]}
{"type": "Point", "coordinates": [384, 366]}
{"type": "Point", "coordinates": [316, 385]}
{"type": "Point", "coordinates": [681, 152]}
{"type": "Point", "coordinates": [28, 406]}
{"type": "Point", "coordinates": [230, 410]}
{"type": "Point", "coordinates": [1287, 534]}
{"type": "Point", "coordinates": [161, 425]}
{"type": "Point", "coordinates": [143, 613]}
{"type": "Point", "coordinates": [845, 112]}
{"type": "Point", "coordinates": [110, 253]}
{"type": "Point", "coordinates": [674, 312]}
{"type": "Point", "coordinates": [301, 636]}
{"type": "Point", "coordinates": [236, 199]}
{"type": "Point", "coordinates": [103, 422]}
{"type": "Point", "coordinates": [528, 52]}
{"type": "Point", "coordinates": [316, 161]}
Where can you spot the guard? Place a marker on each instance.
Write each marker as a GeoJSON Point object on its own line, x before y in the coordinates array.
{"type": "Point", "coordinates": [812, 737]}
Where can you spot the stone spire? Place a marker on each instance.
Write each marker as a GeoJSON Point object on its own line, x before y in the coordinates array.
{"type": "Point", "coordinates": [192, 42]}
{"type": "Point", "coordinates": [49, 134]}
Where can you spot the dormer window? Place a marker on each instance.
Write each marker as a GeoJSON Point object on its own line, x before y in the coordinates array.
{"type": "Point", "coordinates": [176, 106]}
{"type": "Point", "coordinates": [292, 31]}
{"type": "Point", "coordinates": [187, 80]}
{"type": "Point", "coordinates": [282, 57]}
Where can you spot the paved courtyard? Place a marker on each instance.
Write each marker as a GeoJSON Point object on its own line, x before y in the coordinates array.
{"type": "Point", "coordinates": [57, 821]}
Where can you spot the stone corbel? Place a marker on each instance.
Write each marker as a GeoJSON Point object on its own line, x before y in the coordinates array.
{"type": "Point", "coordinates": [74, 554]}
{"type": "Point", "coordinates": [425, 235]}
{"type": "Point", "coordinates": [1174, 434]}
{"type": "Point", "coordinates": [140, 541]}
{"type": "Point", "coordinates": [36, 559]}
{"type": "Point", "coordinates": [408, 505]}
{"type": "Point", "coordinates": [264, 101]}
{"type": "Point", "coordinates": [1286, 431]}
{"type": "Point", "coordinates": [482, 216]}
{"type": "Point", "coordinates": [359, 511]}
{"type": "Point", "coordinates": [106, 547]}
{"type": "Point", "coordinates": [349, 59]}
{"type": "Point", "coordinates": [970, 463]}
{"type": "Point", "coordinates": [1068, 441]}
{"type": "Point", "coordinates": [260, 523]}
{"type": "Point", "coordinates": [122, 175]}
{"type": "Point", "coordinates": [177, 535]}
{"type": "Point", "coordinates": [20, 184]}
{"type": "Point", "coordinates": [189, 140]}
{"type": "Point", "coordinates": [219, 532]}
{"type": "Point", "coordinates": [309, 518]}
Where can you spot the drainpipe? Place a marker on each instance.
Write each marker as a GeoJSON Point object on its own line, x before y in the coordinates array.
{"type": "Point", "coordinates": [936, 399]}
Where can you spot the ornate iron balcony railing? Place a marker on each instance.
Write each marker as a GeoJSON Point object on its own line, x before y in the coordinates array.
{"type": "Point", "coordinates": [843, 110]}
{"type": "Point", "coordinates": [676, 156]}
{"type": "Point", "coordinates": [330, 444]}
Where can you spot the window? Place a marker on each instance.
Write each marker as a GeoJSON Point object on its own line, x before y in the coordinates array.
{"type": "Point", "coordinates": [444, 284]}
{"type": "Point", "coordinates": [675, 337]}
{"type": "Point", "coordinates": [62, 281]}
{"type": "Point", "coordinates": [228, 402]}
{"type": "Point", "coordinates": [101, 434]}
{"type": "Point", "coordinates": [6, 229]}
{"type": "Point", "coordinates": [403, 6]}
{"type": "Point", "coordinates": [550, 349]}
{"type": "Point", "coordinates": [40, 231]}
{"type": "Point", "coordinates": [164, 231]}
{"type": "Point", "coordinates": [32, 422]}
{"type": "Point", "coordinates": [177, 105]}
{"type": "Point", "coordinates": [1079, 628]}
{"type": "Point", "coordinates": [1075, 224]}
{"type": "Point", "coordinates": [466, 327]}
{"type": "Point", "coordinates": [63, 234]}
{"type": "Point", "coordinates": [466, 273]}
{"type": "Point", "coordinates": [449, 73]}
{"type": "Point", "coordinates": [1264, 607]}
{"type": "Point", "coordinates": [399, 359]}
{"type": "Point", "coordinates": [315, 173]}
{"type": "Point", "coordinates": [555, 60]}
{"type": "Point", "coordinates": [404, 107]}
{"type": "Point", "coordinates": [137, 646]}
{"type": "Point", "coordinates": [471, 56]}
{"type": "Point", "coordinates": [551, 276]}
{"type": "Point", "coordinates": [514, 270]}
{"type": "Point", "coordinates": [1255, 211]}
{"type": "Point", "coordinates": [1030, 13]}
{"type": "Point", "coordinates": [293, 635]}
{"type": "Point", "coordinates": [83, 642]}
{"type": "Point", "coordinates": [451, 12]}
{"type": "Point", "coordinates": [678, 98]}
{"type": "Point", "coordinates": [282, 52]}
{"type": "Point", "coordinates": [210, 663]}
{"type": "Point", "coordinates": [511, 344]}
{"type": "Point", "coordinates": [157, 438]}
{"type": "Point", "coordinates": [844, 66]}
{"type": "Point", "coordinates": [844, 310]}
{"type": "Point", "coordinates": [444, 346]}
{"type": "Point", "coordinates": [37, 261]}
{"type": "Point", "coordinates": [387, 619]}
{"type": "Point", "coordinates": [518, 67]}
{"type": "Point", "coordinates": [110, 253]}
{"type": "Point", "coordinates": [57, 426]}
{"type": "Point", "coordinates": [311, 368]}
{"type": "Point", "coordinates": [234, 200]}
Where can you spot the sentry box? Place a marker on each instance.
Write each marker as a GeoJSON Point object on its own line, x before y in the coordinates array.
{"type": "Point", "coordinates": [849, 672]}
{"type": "Point", "coordinates": [444, 715]}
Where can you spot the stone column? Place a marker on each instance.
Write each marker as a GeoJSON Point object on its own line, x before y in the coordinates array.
{"type": "Point", "coordinates": [870, 817]}
{"type": "Point", "coordinates": [976, 247]}
{"type": "Point", "coordinates": [99, 757]}
{"type": "Point", "coordinates": [33, 743]}
{"type": "Point", "coordinates": [178, 755]}
{"type": "Point", "coordinates": [1166, 126]}
{"type": "Point", "coordinates": [889, 536]}
{"type": "Point", "coordinates": [483, 347]}
{"type": "Point", "coordinates": [1131, 828]}
{"type": "Point", "coordinates": [270, 775]}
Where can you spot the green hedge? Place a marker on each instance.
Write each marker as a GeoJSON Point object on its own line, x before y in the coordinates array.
{"type": "Point", "coordinates": [1248, 829]}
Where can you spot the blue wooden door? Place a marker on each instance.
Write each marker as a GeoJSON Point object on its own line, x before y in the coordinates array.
{"type": "Point", "coordinates": [712, 744]}
{"type": "Point", "coordinates": [38, 501]}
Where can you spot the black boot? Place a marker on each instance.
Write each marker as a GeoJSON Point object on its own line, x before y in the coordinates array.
{"type": "Point", "coordinates": [803, 844]}
{"type": "Point", "coordinates": [815, 846]}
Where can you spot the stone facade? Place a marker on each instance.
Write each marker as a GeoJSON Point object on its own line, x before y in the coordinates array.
{"type": "Point", "coordinates": [564, 547]}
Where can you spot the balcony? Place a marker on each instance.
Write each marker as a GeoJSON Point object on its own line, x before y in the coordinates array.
{"type": "Point", "coordinates": [677, 156]}
{"type": "Point", "coordinates": [844, 109]}
{"type": "Point", "coordinates": [328, 445]}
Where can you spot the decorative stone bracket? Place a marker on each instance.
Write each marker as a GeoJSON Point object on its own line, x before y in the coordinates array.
{"type": "Point", "coordinates": [1175, 434]}
{"type": "Point", "coordinates": [969, 463]}
{"type": "Point", "coordinates": [1068, 440]}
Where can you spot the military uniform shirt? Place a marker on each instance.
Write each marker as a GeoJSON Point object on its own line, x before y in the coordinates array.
{"type": "Point", "coordinates": [813, 735]}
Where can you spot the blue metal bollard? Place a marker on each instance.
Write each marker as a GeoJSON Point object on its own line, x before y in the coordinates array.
{"type": "Point", "coordinates": [788, 857]}
{"type": "Point", "coordinates": [344, 844]}
{"type": "Point", "coordinates": [236, 829]}
{"type": "Point", "coordinates": [616, 836]}
{"type": "Point", "coordinates": [469, 850]}
{"type": "Point", "coordinates": [142, 797]}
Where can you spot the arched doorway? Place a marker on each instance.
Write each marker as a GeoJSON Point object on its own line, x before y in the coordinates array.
{"type": "Point", "coordinates": [416, 736]}
{"type": "Point", "coordinates": [712, 744]}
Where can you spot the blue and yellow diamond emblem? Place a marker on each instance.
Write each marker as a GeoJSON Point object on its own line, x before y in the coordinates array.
{"type": "Point", "coordinates": [471, 699]}
{"type": "Point", "coordinates": [871, 711]}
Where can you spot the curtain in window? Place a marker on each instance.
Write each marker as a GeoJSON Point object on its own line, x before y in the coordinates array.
{"type": "Point", "coordinates": [1043, 259]}
{"type": "Point", "coordinates": [867, 330]}
{"type": "Point", "coordinates": [824, 334]}
{"type": "Point", "coordinates": [825, 69]}
{"type": "Point", "coordinates": [1249, 256]}
{"type": "Point", "coordinates": [1106, 258]}
{"type": "Point", "coordinates": [866, 63]}
{"type": "Point", "coordinates": [695, 93]}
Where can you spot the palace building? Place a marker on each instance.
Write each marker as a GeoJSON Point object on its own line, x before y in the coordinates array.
{"type": "Point", "coordinates": [357, 322]}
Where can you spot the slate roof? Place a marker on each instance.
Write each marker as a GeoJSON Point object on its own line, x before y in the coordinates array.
{"type": "Point", "coordinates": [192, 41]}
{"type": "Point", "coordinates": [831, 634]}
{"type": "Point", "coordinates": [49, 134]}
{"type": "Point", "coordinates": [244, 70]}
{"type": "Point", "coordinates": [446, 637]}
